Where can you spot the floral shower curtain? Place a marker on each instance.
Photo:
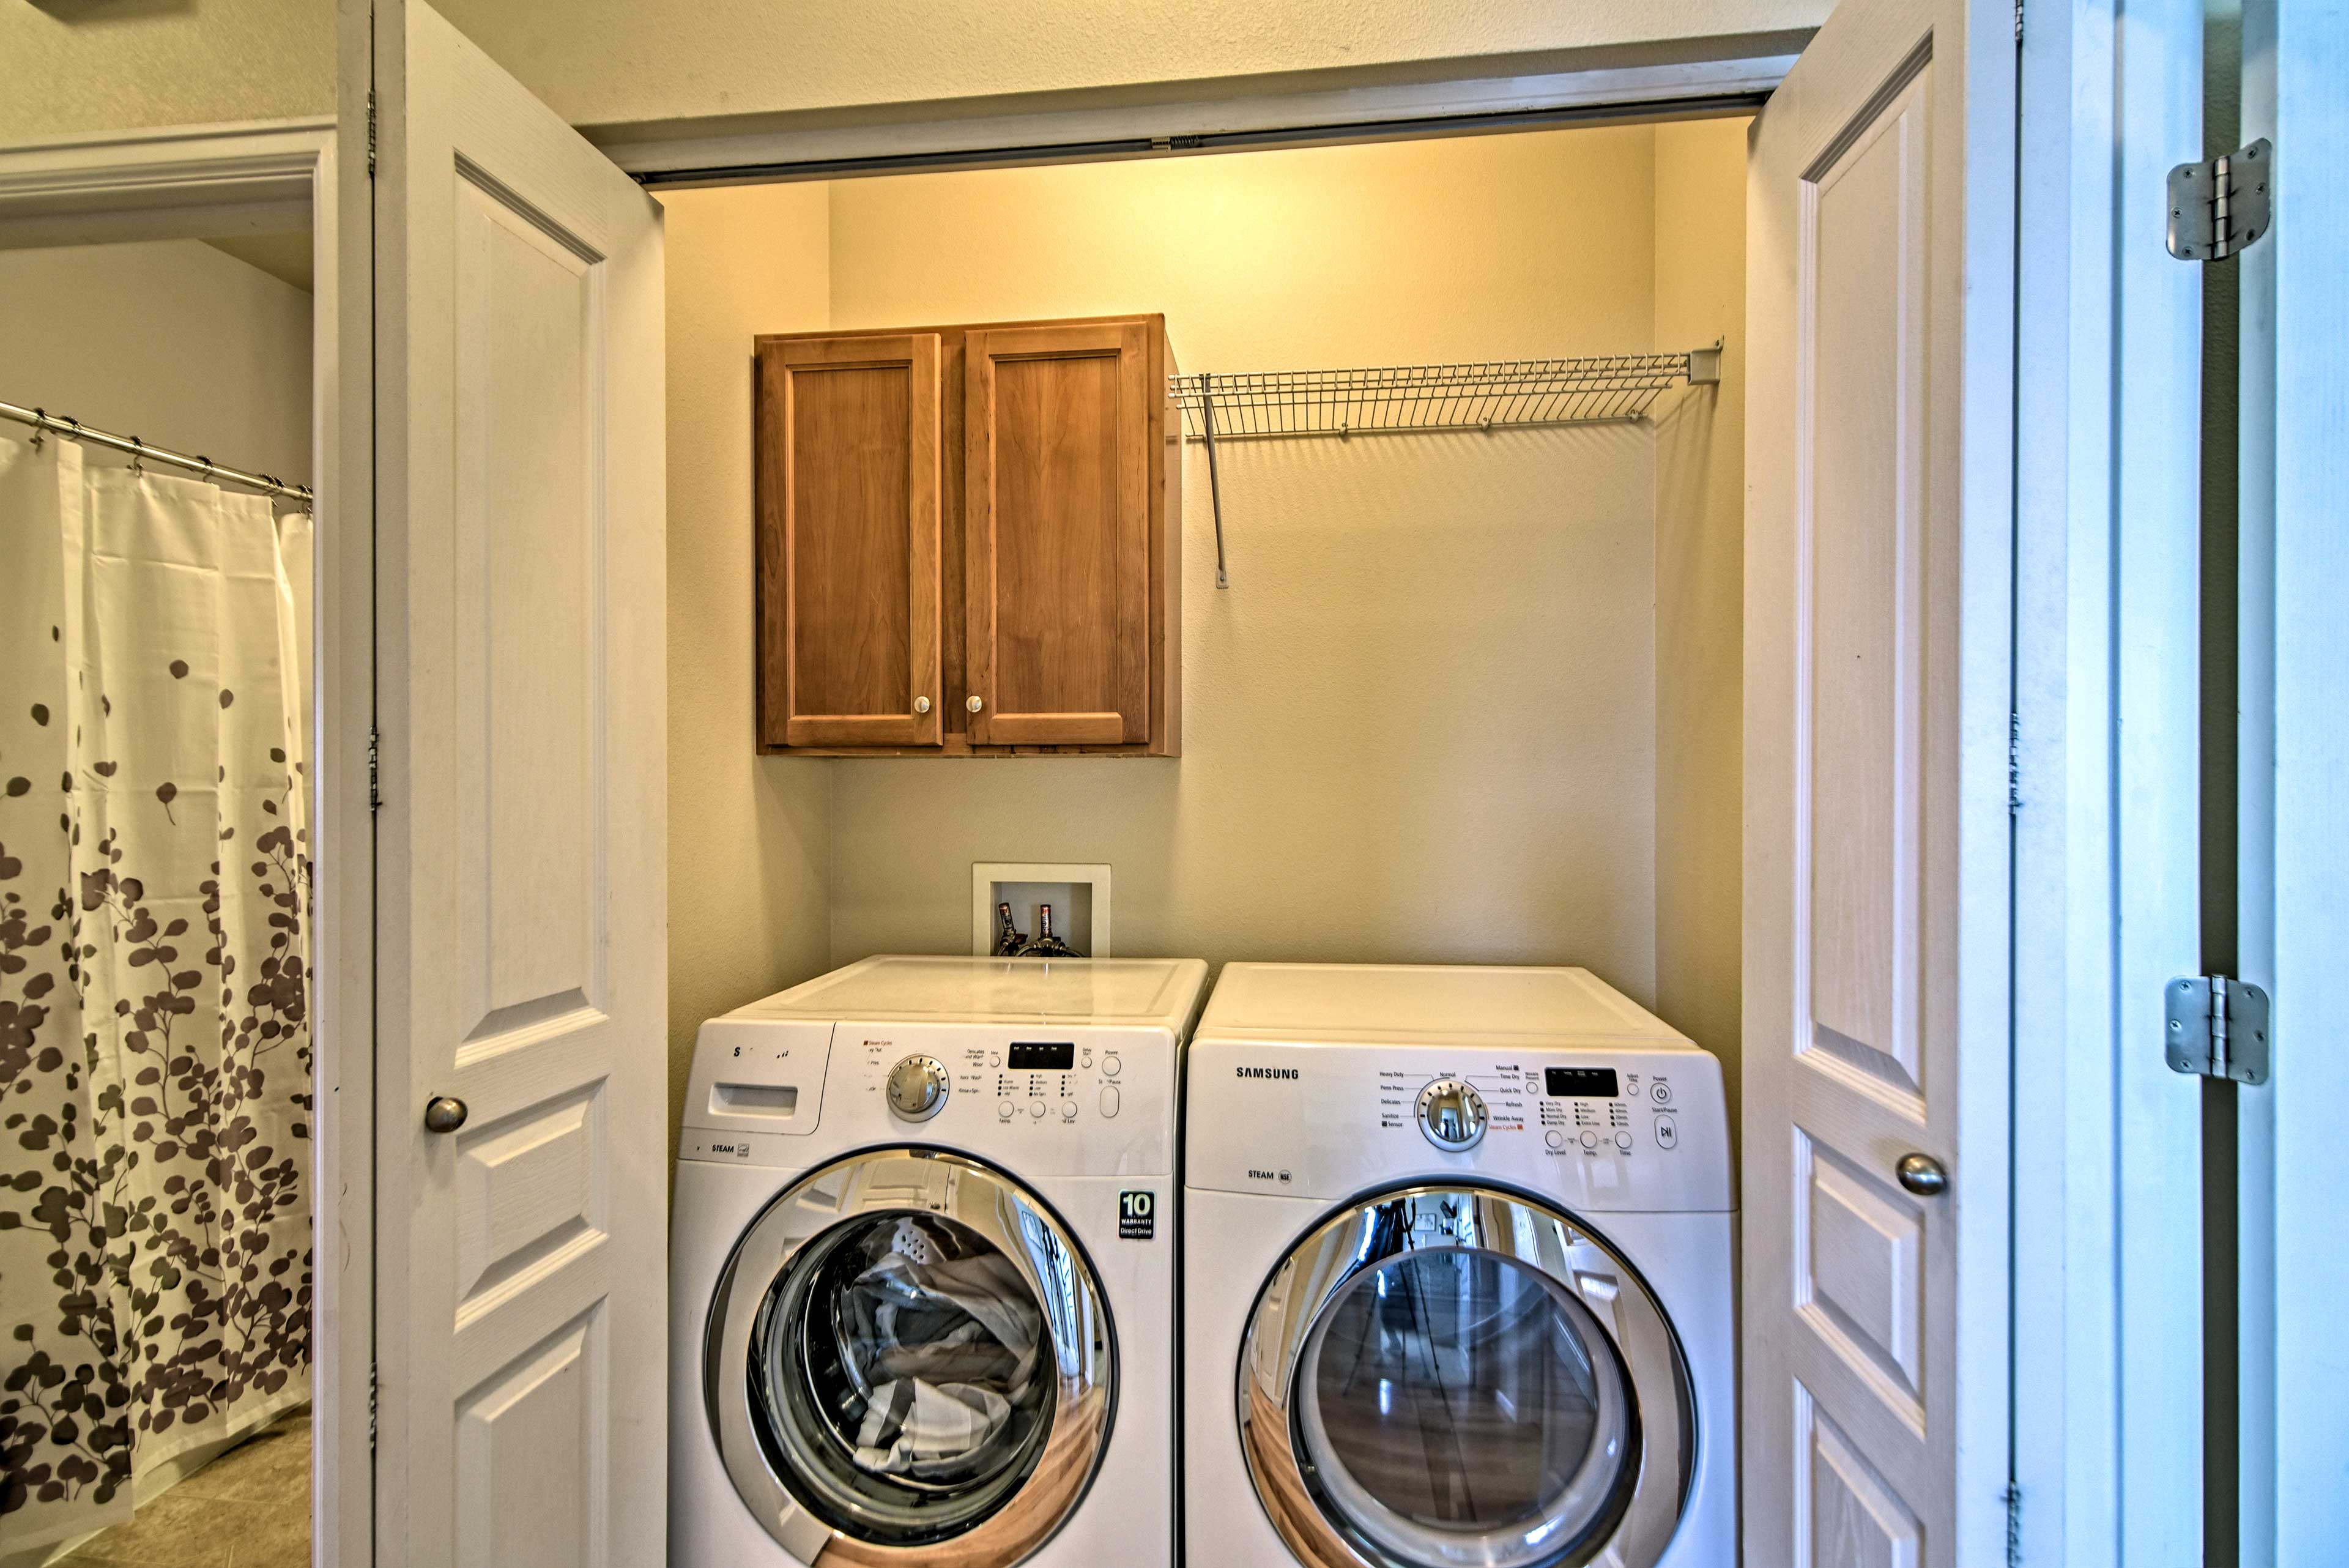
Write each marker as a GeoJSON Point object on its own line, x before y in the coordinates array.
{"type": "Point", "coordinates": [155, 1086]}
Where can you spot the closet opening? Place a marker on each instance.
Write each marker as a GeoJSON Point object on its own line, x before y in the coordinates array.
{"type": "Point", "coordinates": [1473, 692]}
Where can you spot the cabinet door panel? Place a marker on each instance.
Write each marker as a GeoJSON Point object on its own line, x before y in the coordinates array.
{"type": "Point", "coordinates": [1057, 533]}
{"type": "Point", "coordinates": [848, 541]}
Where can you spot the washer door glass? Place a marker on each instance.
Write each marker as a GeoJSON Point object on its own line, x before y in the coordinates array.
{"type": "Point", "coordinates": [1458, 1407]}
{"type": "Point", "coordinates": [903, 1373]}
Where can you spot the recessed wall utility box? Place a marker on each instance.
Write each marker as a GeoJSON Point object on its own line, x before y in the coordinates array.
{"type": "Point", "coordinates": [1078, 896]}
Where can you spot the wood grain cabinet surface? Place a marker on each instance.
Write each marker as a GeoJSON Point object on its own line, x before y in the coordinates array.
{"type": "Point", "coordinates": [969, 541]}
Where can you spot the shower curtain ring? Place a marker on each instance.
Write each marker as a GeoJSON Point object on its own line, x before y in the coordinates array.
{"type": "Point", "coordinates": [137, 463]}
{"type": "Point", "coordinates": [207, 462]}
{"type": "Point", "coordinates": [40, 426]}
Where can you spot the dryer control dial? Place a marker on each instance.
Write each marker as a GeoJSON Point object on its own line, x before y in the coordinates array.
{"type": "Point", "coordinates": [1452, 1114]}
{"type": "Point", "coordinates": [917, 1087]}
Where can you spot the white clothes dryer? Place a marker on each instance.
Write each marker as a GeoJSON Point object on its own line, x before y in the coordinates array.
{"type": "Point", "coordinates": [1457, 1247]}
{"type": "Point", "coordinates": [923, 1269]}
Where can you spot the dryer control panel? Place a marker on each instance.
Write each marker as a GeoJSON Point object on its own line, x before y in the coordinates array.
{"type": "Point", "coordinates": [1041, 1098]}
{"type": "Point", "coordinates": [1601, 1127]}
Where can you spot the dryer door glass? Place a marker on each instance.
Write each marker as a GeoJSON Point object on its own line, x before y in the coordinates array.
{"type": "Point", "coordinates": [1455, 1376]}
{"type": "Point", "coordinates": [1457, 1406]}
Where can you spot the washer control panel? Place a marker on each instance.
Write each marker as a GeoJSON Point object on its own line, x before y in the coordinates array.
{"type": "Point", "coordinates": [1091, 1100]}
{"type": "Point", "coordinates": [1054, 1080]}
{"type": "Point", "coordinates": [1626, 1128]}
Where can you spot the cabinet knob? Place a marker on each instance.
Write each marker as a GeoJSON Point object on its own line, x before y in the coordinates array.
{"type": "Point", "coordinates": [976, 703]}
{"type": "Point", "coordinates": [1922, 1175]}
{"type": "Point", "coordinates": [444, 1113]}
{"type": "Point", "coordinates": [921, 704]}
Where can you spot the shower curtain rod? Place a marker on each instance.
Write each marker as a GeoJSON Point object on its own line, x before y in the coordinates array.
{"type": "Point", "coordinates": [66, 425]}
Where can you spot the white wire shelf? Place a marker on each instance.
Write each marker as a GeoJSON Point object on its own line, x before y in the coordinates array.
{"type": "Point", "coordinates": [1396, 399]}
{"type": "Point", "coordinates": [1487, 395]}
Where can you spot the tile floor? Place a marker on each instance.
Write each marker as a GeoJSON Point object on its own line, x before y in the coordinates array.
{"type": "Point", "coordinates": [248, 1509]}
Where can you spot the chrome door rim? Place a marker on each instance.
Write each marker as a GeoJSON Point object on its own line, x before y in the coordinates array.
{"type": "Point", "coordinates": [1315, 1273]}
{"type": "Point", "coordinates": [912, 1180]}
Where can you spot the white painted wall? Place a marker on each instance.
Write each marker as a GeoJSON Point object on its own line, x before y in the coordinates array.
{"type": "Point", "coordinates": [173, 341]}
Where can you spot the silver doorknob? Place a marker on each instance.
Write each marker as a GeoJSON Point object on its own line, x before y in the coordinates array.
{"type": "Point", "coordinates": [1451, 1115]}
{"type": "Point", "coordinates": [445, 1114]}
{"type": "Point", "coordinates": [1922, 1175]}
{"type": "Point", "coordinates": [921, 704]}
{"type": "Point", "coordinates": [976, 703]}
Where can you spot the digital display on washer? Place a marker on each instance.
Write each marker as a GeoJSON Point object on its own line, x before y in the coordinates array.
{"type": "Point", "coordinates": [1030, 1057]}
{"type": "Point", "coordinates": [1581, 1083]}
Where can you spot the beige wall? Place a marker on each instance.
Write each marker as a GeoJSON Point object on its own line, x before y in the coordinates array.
{"type": "Point", "coordinates": [108, 65]}
{"type": "Point", "coordinates": [85, 65]}
{"type": "Point", "coordinates": [173, 342]}
{"type": "Point", "coordinates": [1700, 271]}
{"type": "Point", "coordinates": [747, 903]}
{"type": "Point", "coordinates": [600, 61]}
{"type": "Point", "coordinates": [1421, 724]}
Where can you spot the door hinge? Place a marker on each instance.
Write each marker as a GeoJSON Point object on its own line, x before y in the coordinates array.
{"type": "Point", "coordinates": [370, 133]}
{"type": "Point", "coordinates": [2223, 206]}
{"type": "Point", "coordinates": [375, 770]}
{"type": "Point", "coordinates": [2218, 1028]}
{"type": "Point", "coordinates": [2014, 1500]}
{"type": "Point", "coordinates": [2018, 21]}
{"type": "Point", "coordinates": [371, 1388]}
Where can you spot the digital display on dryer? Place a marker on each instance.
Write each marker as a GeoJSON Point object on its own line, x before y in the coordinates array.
{"type": "Point", "coordinates": [1030, 1057]}
{"type": "Point", "coordinates": [1581, 1083]}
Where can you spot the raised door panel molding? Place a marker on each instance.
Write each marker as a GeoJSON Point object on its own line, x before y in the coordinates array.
{"type": "Point", "coordinates": [849, 438]}
{"type": "Point", "coordinates": [1863, 489]}
{"type": "Point", "coordinates": [529, 310]}
{"type": "Point", "coordinates": [531, 1194]}
{"type": "Point", "coordinates": [529, 1483]}
{"type": "Point", "coordinates": [1846, 1516]}
{"type": "Point", "coordinates": [1860, 1278]}
{"type": "Point", "coordinates": [1057, 515]}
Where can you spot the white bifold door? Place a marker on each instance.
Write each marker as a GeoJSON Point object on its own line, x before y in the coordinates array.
{"type": "Point", "coordinates": [2294, 822]}
{"type": "Point", "coordinates": [521, 1198]}
{"type": "Point", "coordinates": [1877, 649]}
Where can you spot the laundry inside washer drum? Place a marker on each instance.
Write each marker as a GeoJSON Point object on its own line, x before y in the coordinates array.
{"type": "Point", "coordinates": [902, 1377]}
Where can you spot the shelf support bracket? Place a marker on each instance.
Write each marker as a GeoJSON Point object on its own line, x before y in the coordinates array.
{"type": "Point", "coordinates": [1215, 483]}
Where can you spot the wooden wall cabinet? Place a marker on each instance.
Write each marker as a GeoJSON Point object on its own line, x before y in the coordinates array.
{"type": "Point", "coordinates": [969, 541]}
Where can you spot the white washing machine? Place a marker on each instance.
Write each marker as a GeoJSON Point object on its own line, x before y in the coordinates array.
{"type": "Point", "coordinates": [1457, 1247]}
{"type": "Point", "coordinates": [923, 1269]}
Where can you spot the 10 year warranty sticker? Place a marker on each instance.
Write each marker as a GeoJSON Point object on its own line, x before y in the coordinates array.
{"type": "Point", "coordinates": [1137, 1216]}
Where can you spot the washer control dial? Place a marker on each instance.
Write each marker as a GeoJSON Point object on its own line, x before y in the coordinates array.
{"type": "Point", "coordinates": [1452, 1114]}
{"type": "Point", "coordinates": [917, 1087]}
